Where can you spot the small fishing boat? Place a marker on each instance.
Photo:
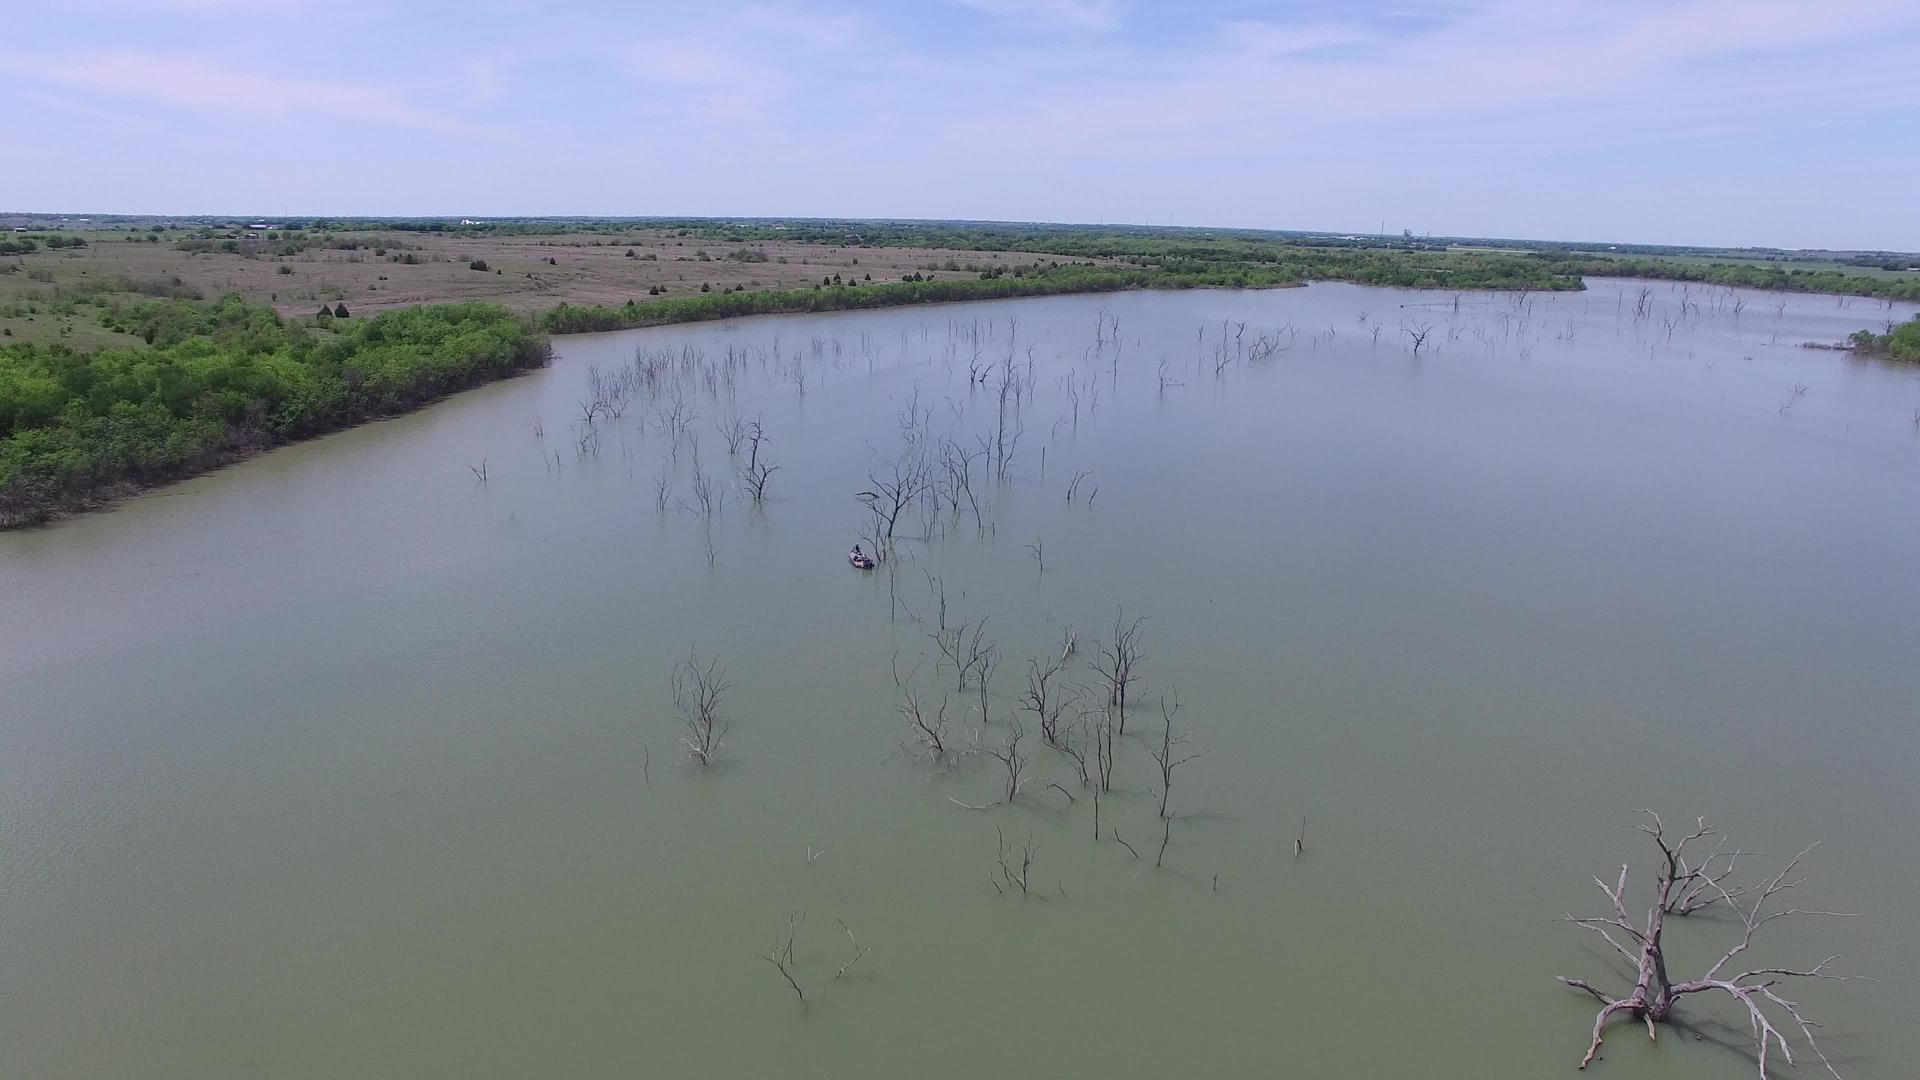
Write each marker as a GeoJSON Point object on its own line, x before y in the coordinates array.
{"type": "Point", "coordinates": [860, 559]}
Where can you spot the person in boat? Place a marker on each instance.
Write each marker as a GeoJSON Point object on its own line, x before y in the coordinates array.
{"type": "Point", "coordinates": [858, 555]}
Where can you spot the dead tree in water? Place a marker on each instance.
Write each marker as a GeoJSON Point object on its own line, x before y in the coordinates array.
{"type": "Point", "coordinates": [984, 665]}
{"type": "Point", "coordinates": [1004, 876]}
{"type": "Point", "coordinates": [1166, 375]}
{"type": "Point", "coordinates": [1118, 664]}
{"type": "Point", "coordinates": [1168, 758]}
{"type": "Point", "coordinates": [956, 461]}
{"type": "Point", "coordinates": [966, 647]}
{"type": "Point", "coordinates": [1654, 994]}
{"type": "Point", "coordinates": [781, 955]}
{"type": "Point", "coordinates": [1076, 751]}
{"type": "Point", "coordinates": [1418, 335]}
{"type": "Point", "coordinates": [674, 418]}
{"type": "Point", "coordinates": [1006, 441]}
{"type": "Point", "coordinates": [859, 950]}
{"type": "Point", "coordinates": [697, 690]}
{"type": "Point", "coordinates": [1045, 699]}
{"type": "Point", "coordinates": [1073, 485]}
{"type": "Point", "coordinates": [926, 726]}
{"type": "Point", "coordinates": [733, 431]}
{"type": "Point", "coordinates": [888, 497]}
{"type": "Point", "coordinates": [709, 498]}
{"type": "Point", "coordinates": [1102, 729]}
{"type": "Point", "coordinates": [755, 473]}
{"type": "Point", "coordinates": [1012, 759]}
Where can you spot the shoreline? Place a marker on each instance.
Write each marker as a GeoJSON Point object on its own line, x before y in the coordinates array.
{"type": "Point", "coordinates": [564, 320]}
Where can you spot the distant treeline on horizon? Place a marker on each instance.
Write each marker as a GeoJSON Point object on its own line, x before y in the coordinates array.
{"type": "Point", "coordinates": [868, 230]}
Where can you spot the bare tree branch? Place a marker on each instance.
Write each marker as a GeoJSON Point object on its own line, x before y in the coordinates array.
{"type": "Point", "coordinates": [697, 690]}
{"type": "Point", "coordinates": [1680, 887]}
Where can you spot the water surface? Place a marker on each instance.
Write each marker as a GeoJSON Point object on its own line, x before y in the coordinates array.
{"type": "Point", "coordinates": [343, 763]}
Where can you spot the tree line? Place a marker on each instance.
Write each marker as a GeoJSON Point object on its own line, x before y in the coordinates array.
{"type": "Point", "coordinates": [1043, 280]}
{"type": "Point", "coordinates": [1779, 277]}
{"type": "Point", "coordinates": [217, 381]}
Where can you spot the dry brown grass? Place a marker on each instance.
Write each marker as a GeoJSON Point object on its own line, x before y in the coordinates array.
{"type": "Point", "coordinates": [586, 268]}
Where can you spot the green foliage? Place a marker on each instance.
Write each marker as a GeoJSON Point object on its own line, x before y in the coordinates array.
{"type": "Point", "coordinates": [1902, 343]}
{"type": "Point", "coordinates": [1401, 260]}
{"type": "Point", "coordinates": [1046, 279]}
{"type": "Point", "coordinates": [1779, 276]}
{"type": "Point", "coordinates": [22, 246]}
{"type": "Point", "coordinates": [567, 318]}
{"type": "Point", "coordinates": [219, 380]}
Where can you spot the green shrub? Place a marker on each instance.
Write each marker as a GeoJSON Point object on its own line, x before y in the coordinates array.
{"type": "Point", "coordinates": [1904, 343]}
{"type": "Point", "coordinates": [219, 380]}
{"type": "Point", "coordinates": [1900, 343]}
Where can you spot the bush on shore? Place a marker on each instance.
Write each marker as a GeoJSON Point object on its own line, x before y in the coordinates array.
{"type": "Point", "coordinates": [218, 381]}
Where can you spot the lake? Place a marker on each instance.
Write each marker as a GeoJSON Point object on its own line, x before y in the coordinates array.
{"type": "Point", "coordinates": [345, 761]}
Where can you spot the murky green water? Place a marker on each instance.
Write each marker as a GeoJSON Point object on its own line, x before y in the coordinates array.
{"type": "Point", "coordinates": [342, 763]}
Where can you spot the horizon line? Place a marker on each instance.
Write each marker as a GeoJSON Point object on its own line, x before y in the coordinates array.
{"type": "Point", "coordinates": [883, 219]}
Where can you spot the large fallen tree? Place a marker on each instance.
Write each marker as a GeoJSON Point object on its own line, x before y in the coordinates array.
{"type": "Point", "coordinates": [1681, 888]}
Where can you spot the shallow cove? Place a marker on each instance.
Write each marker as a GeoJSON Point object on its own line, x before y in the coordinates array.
{"type": "Point", "coordinates": [341, 763]}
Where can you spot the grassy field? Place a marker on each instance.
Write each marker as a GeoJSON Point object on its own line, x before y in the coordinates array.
{"type": "Point", "coordinates": [386, 270]}
{"type": "Point", "coordinates": [58, 294]}
{"type": "Point", "coordinates": [73, 325]}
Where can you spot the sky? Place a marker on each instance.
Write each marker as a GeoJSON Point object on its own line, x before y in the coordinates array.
{"type": "Point", "coordinates": [1788, 123]}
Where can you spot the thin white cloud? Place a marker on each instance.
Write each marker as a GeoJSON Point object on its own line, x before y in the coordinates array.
{"type": "Point", "coordinates": [691, 82]}
{"type": "Point", "coordinates": [199, 84]}
{"type": "Point", "coordinates": [60, 103]}
{"type": "Point", "coordinates": [483, 78]}
{"type": "Point", "coordinates": [744, 65]}
{"type": "Point", "coordinates": [214, 9]}
{"type": "Point", "coordinates": [1286, 40]}
{"type": "Point", "coordinates": [811, 29]}
{"type": "Point", "coordinates": [1084, 14]}
{"type": "Point", "coordinates": [1632, 65]}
